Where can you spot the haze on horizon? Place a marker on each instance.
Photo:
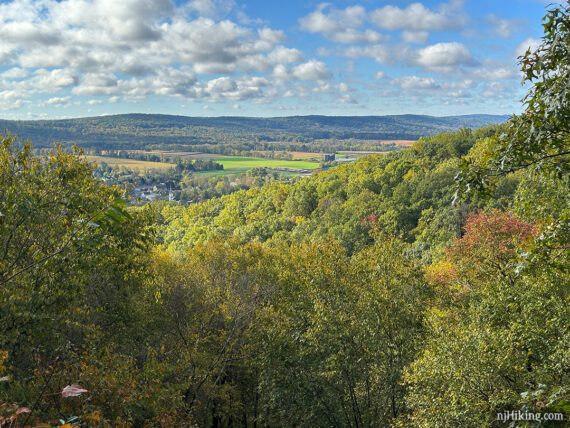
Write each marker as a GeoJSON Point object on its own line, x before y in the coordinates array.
{"type": "Point", "coordinates": [77, 58]}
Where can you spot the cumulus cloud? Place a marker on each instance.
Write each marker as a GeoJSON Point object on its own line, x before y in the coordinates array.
{"type": "Point", "coordinates": [211, 8]}
{"type": "Point", "coordinates": [45, 80]}
{"type": "Point", "coordinates": [97, 84]}
{"type": "Point", "coordinates": [133, 48]}
{"type": "Point", "coordinates": [328, 87]}
{"type": "Point", "coordinates": [311, 70]}
{"type": "Point", "coordinates": [418, 37]}
{"type": "Point", "coordinates": [10, 100]}
{"type": "Point", "coordinates": [340, 25]}
{"type": "Point", "coordinates": [415, 82]}
{"type": "Point", "coordinates": [494, 72]}
{"type": "Point", "coordinates": [109, 51]}
{"type": "Point", "coordinates": [415, 20]}
{"type": "Point", "coordinates": [444, 57]}
{"type": "Point", "coordinates": [14, 73]}
{"type": "Point", "coordinates": [530, 43]}
{"type": "Point", "coordinates": [417, 17]}
{"type": "Point", "coordinates": [420, 86]}
{"type": "Point", "coordinates": [327, 21]}
{"type": "Point", "coordinates": [235, 89]}
{"type": "Point", "coordinates": [378, 53]}
{"type": "Point", "coordinates": [353, 36]}
{"type": "Point", "coordinates": [59, 101]}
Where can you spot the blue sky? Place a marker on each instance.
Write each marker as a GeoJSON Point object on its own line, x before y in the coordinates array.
{"type": "Point", "coordinates": [70, 58]}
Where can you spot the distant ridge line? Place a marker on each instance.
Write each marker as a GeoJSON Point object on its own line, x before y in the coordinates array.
{"type": "Point", "coordinates": [134, 130]}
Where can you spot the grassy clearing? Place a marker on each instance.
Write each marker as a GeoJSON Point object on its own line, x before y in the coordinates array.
{"type": "Point", "coordinates": [237, 165]}
{"type": "Point", "coordinates": [133, 164]}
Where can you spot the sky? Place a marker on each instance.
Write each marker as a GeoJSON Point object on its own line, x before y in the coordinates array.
{"type": "Point", "coordinates": [77, 58]}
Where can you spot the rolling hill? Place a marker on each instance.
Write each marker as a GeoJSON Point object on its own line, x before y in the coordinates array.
{"type": "Point", "coordinates": [146, 130]}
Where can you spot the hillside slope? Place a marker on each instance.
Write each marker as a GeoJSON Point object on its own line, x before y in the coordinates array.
{"type": "Point", "coordinates": [138, 130]}
{"type": "Point", "coordinates": [407, 194]}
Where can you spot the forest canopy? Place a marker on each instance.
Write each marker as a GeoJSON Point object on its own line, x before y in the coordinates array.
{"type": "Point", "coordinates": [427, 287]}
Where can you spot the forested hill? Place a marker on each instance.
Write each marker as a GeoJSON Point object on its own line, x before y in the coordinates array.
{"type": "Point", "coordinates": [136, 130]}
{"type": "Point", "coordinates": [407, 193]}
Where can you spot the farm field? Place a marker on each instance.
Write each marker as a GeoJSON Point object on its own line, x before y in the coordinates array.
{"type": "Point", "coordinates": [306, 155]}
{"type": "Point", "coordinates": [400, 143]}
{"type": "Point", "coordinates": [232, 164]}
{"type": "Point", "coordinates": [357, 154]}
{"type": "Point", "coordinates": [245, 163]}
{"type": "Point", "coordinates": [133, 164]}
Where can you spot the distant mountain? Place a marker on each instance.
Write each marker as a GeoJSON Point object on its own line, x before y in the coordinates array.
{"type": "Point", "coordinates": [151, 130]}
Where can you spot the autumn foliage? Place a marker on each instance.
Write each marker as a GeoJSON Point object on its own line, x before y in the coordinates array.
{"type": "Point", "coordinates": [489, 247]}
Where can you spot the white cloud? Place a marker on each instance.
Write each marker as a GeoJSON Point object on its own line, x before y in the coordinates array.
{"type": "Point", "coordinates": [343, 25]}
{"type": "Point", "coordinates": [495, 90]}
{"type": "Point", "coordinates": [379, 53]}
{"type": "Point", "coordinates": [9, 95]}
{"type": "Point", "coordinates": [208, 49]}
{"type": "Point", "coordinates": [311, 70]}
{"type": "Point", "coordinates": [444, 57]}
{"type": "Point", "coordinates": [501, 27]}
{"type": "Point", "coordinates": [235, 89]}
{"type": "Point", "coordinates": [530, 43]}
{"type": "Point", "coordinates": [211, 8]}
{"type": "Point", "coordinates": [14, 73]}
{"type": "Point", "coordinates": [328, 87]}
{"type": "Point", "coordinates": [335, 20]}
{"type": "Point", "coordinates": [417, 17]}
{"type": "Point", "coordinates": [59, 101]}
{"type": "Point", "coordinates": [415, 82]}
{"type": "Point", "coordinates": [10, 100]}
{"type": "Point", "coordinates": [29, 33]}
{"type": "Point", "coordinates": [419, 37]}
{"type": "Point", "coordinates": [419, 86]}
{"type": "Point", "coordinates": [347, 99]}
{"type": "Point", "coordinates": [133, 48]}
{"type": "Point", "coordinates": [353, 36]}
{"type": "Point", "coordinates": [97, 84]}
{"type": "Point", "coordinates": [340, 25]}
{"type": "Point", "coordinates": [283, 55]}
{"type": "Point", "coordinates": [494, 72]}
{"type": "Point", "coordinates": [50, 80]}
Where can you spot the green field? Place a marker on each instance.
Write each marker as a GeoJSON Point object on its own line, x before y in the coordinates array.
{"type": "Point", "coordinates": [237, 163]}
{"type": "Point", "coordinates": [232, 164]}
{"type": "Point", "coordinates": [133, 164]}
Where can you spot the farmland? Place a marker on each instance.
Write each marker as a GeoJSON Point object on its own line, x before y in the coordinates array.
{"type": "Point", "coordinates": [232, 164]}
{"type": "Point", "coordinates": [239, 163]}
{"type": "Point", "coordinates": [133, 164]}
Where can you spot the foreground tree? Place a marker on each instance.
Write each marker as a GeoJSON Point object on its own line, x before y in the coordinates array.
{"type": "Point", "coordinates": [346, 328]}
{"type": "Point", "coordinates": [70, 259]}
{"type": "Point", "coordinates": [498, 337]}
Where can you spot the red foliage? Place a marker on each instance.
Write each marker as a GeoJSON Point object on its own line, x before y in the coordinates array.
{"type": "Point", "coordinates": [370, 219]}
{"type": "Point", "coordinates": [495, 235]}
